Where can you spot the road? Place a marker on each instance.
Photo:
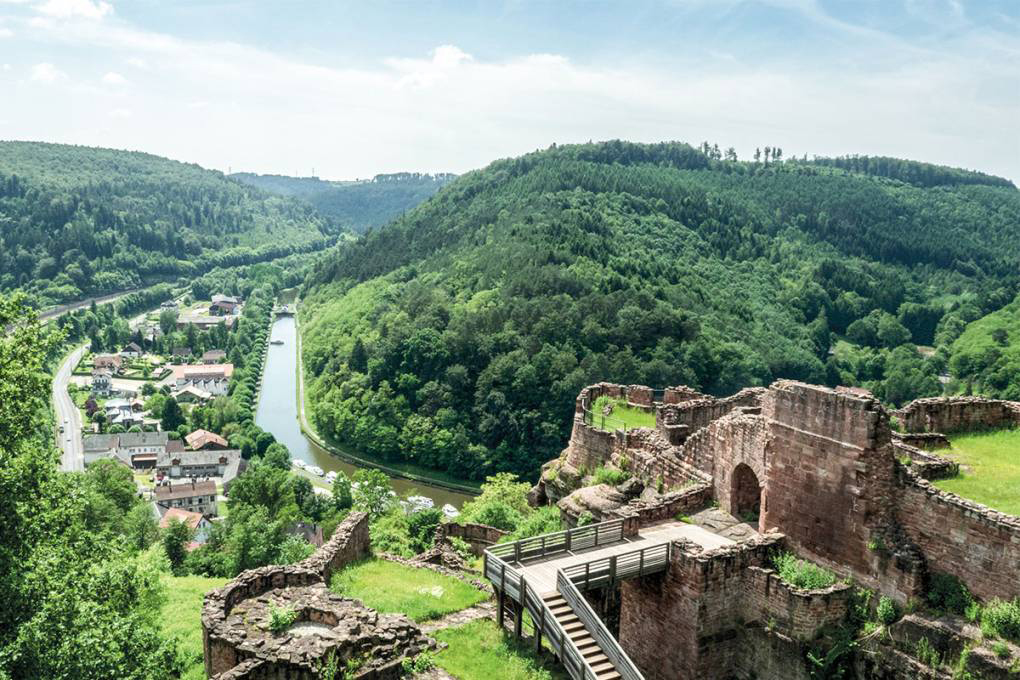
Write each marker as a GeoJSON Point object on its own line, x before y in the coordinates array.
{"type": "Point", "coordinates": [69, 441]}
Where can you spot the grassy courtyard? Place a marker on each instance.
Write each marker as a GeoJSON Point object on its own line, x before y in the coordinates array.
{"type": "Point", "coordinates": [480, 651]}
{"type": "Point", "coordinates": [989, 469]}
{"type": "Point", "coordinates": [623, 415]}
{"type": "Point", "coordinates": [182, 617]}
{"type": "Point", "coordinates": [394, 588]}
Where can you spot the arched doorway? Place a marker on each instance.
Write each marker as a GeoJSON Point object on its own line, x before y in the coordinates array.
{"type": "Point", "coordinates": [745, 494]}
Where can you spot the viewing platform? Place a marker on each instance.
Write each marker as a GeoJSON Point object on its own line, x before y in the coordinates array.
{"type": "Point", "coordinates": [547, 576]}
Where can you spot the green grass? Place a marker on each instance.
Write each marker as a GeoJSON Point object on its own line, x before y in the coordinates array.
{"type": "Point", "coordinates": [394, 588]}
{"type": "Point", "coordinates": [989, 469]}
{"type": "Point", "coordinates": [480, 651]}
{"type": "Point", "coordinates": [623, 415]}
{"type": "Point", "coordinates": [801, 573]}
{"type": "Point", "coordinates": [182, 617]}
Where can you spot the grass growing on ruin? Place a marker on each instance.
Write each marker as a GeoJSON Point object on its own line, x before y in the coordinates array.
{"type": "Point", "coordinates": [989, 469]}
{"type": "Point", "coordinates": [623, 415]}
{"type": "Point", "coordinates": [801, 573]}
{"type": "Point", "coordinates": [181, 617]}
{"type": "Point", "coordinates": [480, 651]}
{"type": "Point", "coordinates": [394, 588]}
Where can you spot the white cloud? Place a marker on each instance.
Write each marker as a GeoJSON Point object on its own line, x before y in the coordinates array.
{"type": "Point", "coordinates": [6, 67]}
{"type": "Point", "coordinates": [73, 9]}
{"type": "Point", "coordinates": [121, 113]}
{"type": "Point", "coordinates": [113, 78]}
{"type": "Point", "coordinates": [6, 32]}
{"type": "Point", "coordinates": [137, 63]}
{"type": "Point", "coordinates": [46, 73]}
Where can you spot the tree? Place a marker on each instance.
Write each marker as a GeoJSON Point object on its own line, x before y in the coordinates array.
{"type": "Point", "coordinates": [359, 357]}
{"type": "Point", "coordinates": [422, 527]}
{"type": "Point", "coordinates": [176, 537]}
{"type": "Point", "coordinates": [371, 492]}
{"type": "Point", "coordinates": [173, 416]}
{"type": "Point", "coordinates": [140, 527]}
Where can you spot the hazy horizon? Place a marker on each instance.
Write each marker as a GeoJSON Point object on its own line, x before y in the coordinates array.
{"type": "Point", "coordinates": [353, 91]}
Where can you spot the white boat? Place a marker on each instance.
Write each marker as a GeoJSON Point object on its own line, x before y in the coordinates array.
{"type": "Point", "coordinates": [298, 464]}
{"type": "Point", "coordinates": [331, 476]}
{"type": "Point", "coordinates": [450, 511]}
{"type": "Point", "coordinates": [315, 470]}
{"type": "Point", "coordinates": [419, 503]}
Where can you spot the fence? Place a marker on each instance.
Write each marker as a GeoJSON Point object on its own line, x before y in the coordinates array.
{"type": "Point", "coordinates": [605, 640]}
{"type": "Point", "coordinates": [580, 538]}
{"type": "Point", "coordinates": [603, 422]}
{"type": "Point", "coordinates": [609, 570]}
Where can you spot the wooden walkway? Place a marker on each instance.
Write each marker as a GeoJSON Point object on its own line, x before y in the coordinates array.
{"type": "Point", "coordinates": [540, 573]}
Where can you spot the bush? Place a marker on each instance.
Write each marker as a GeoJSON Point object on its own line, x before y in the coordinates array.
{"type": "Point", "coordinates": [1001, 618]}
{"type": "Point", "coordinates": [948, 593]}
{"type": "Point", "coordinates": [927, 654]}
{"type": "Point", "coordinates": [610, 475]}
{"type": "Point", "coordinates": [425, 661]}
{"type": "Point", "coordinates": [801, 573]}
{"type": "Point", "coordinates": [585, 518]}
{"type": "Point", "coordinates": [887, 612]}
{"type": "Point", "coordinates": [281, 618]}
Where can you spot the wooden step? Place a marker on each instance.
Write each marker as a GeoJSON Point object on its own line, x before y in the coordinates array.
{"type": "Point", "coordinates": [602, 666]}
{"type": "Point", "coordinates": [609, 675]}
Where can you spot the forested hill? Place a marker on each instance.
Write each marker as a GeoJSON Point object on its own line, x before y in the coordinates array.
{"type": "Point", "coordinates": [359, 205]}
{"type": "Point", "coordinates": [458, 336]}
{"type": "Point", "coordinates": [77, 221]}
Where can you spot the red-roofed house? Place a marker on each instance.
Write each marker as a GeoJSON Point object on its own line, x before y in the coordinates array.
{"type": "Point", "coordinates": [204, 439]}
{"type": "Point", "coordinates": [199, 523]}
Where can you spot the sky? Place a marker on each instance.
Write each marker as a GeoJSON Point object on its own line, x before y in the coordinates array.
{"type": "Point", "coordinates": [346, 90]}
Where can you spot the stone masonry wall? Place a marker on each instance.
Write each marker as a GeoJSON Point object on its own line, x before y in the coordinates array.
{"type": "Point", "coordinates": [958, 414]}
{"type": "Point", "coordinates": [711, 610]}
{"type": "Point", "coordinates": [221, 640]}
{"type": "Point", "coordinates": [978, 545]}
{"type": "Point", "coordinates": [478, 536]}
{"type": "Point", "coordinates": [831, 476]}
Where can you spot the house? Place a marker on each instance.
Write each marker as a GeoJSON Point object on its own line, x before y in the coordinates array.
{"type": "Point", "coordinates": [101, 381]}
{"type": "Point", "coordinates": [214, 356]}
{"type": "Point", "coordinates": [213, 378]}
{"type": "Point", "coordinates": [204, 322]}
{"type": "Point", "coordinates": [225, 465]}
{"type": "Point", "coordinates": [191, 395]}
{"type": "Point", "coordinates": [122, 412]}
{"type": "Point", "coordinates": [199, 523]}
{"type": "Point", "coordinates": [191, 496]}
{"type": "Point", "coordinates": [223, 305]}
{"type": "Point", "coordinates": [204, 439]}
{"type": "Point", "coordinates": [111, 362]}
{"type": "Point", "coordinates": [131, 351]}
{"type": "Point", "coordinates": [181, 353]}
{"type": "Point", "coordinates": [138, 450]}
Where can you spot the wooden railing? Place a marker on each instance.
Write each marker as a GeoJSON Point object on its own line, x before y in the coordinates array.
{"type": "Point", "coordinates": [605, 640]}
{"type": "Point", "coordinates": [609, 570]}
{"type": "Point", "coordinates": [580, 538]}
{"type": "Point", "coordinates": [570, 583]}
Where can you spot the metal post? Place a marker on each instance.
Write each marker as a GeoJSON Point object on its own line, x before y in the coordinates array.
{"type": "Point", "coordinates": [596, 535]}
{"type": "Point", "coordinates": [517, 551]}
{"type": "Point", "coordinates": [500, 599]}
{"type": "Point", "coordinates": [612, 569]}
{"type": "Point", "coordinates": [569, 534]}
{"type": "Point", "coordinates": [540, 625]}
{"type": "Point", "coordinates": [641, 563]}
{"type": "Point", "coordinates": [587, 573]}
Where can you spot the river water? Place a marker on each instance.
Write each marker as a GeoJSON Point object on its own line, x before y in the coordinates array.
{"type": "Point", "coordinates": [277, 413]}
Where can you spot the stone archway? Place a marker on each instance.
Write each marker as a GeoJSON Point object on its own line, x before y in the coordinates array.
{"type": "Point", "coordinates": [745, 493]}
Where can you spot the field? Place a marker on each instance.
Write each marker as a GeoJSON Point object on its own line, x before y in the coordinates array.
{"type": "Point", "coordinates": [182, 617]}
{"type": "Point", "coordinates": [989, 469]}
{"type": "Point", "coordinates": [394, 588]}
{"type": "Point", "coordinates": [479, 651]}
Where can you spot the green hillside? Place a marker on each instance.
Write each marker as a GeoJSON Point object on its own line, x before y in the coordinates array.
{"type": "Point", "coordinates": [358, 205]}
{"type": "Point", "coordinates": [986, 356]}
{"type": "Point", "coordinates": [458, 336]}
{"type": "Point", "coordinates": [76, 221]}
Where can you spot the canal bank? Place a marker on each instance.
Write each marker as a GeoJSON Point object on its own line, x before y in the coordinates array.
{"type": "Point", "coordinates": [281, 411]}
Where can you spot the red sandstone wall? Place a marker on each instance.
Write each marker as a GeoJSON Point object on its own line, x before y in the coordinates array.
{"type": "Point", "coordinates": [979, 546]}
{"type": "Point", "coordinates": [831, 473]}
{"type": "Point", "coordinates": [710, 610]}
{"type": "Point", "coordinates": [589, 447]}
{"type": "Point", "coordinates": [958, 414]}
{"type": "Point", "coordinates": [478, 536]}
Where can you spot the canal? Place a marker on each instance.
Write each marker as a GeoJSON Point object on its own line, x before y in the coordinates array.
{"type": "Point", "coordinates": [277, 412]}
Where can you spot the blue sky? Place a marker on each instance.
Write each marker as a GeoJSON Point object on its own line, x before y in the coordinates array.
{"type": "Point", "coordinates": [352, 89]}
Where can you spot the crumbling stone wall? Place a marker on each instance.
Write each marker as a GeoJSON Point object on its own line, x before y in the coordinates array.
{"type": "Point", "coordinates": [714, 610]}
{"type": "Point", "coordinates": [678, 421]}
{"type": "Point", "coordinates": [958, 414]}
{"type": "Point", "coordinates": [978, 545]}
{"type": "Point", "coordinates": [239, 645]}
{"type": "Point", "coordinates": [927, 465]}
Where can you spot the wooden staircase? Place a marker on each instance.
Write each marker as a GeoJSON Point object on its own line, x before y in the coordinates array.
{"type": "Point", "coordinates": [581, 637]}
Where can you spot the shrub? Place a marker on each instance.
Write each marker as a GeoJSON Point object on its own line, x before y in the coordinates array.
{"type": "Point", "coordinates": [801, 573]}
{"type": "Point", "coordinates": [585, 519]}
{"type": "Point", "coordinates": [886, 610]}
{"type": "Point", "coordinates": [281, 618]}
{"type": "Point", "coordinates": [1001, 618]}
{"type": "Point", "coordinates": [425, 661]}
{"type": "Point", "coordinates": [1001, 649]}
{"type": "Point", "coordinates": [948, 593]}
{"type": "Point", "coordinates": [610, 475]}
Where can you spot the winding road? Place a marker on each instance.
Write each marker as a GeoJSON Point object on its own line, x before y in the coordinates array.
{"type": "Point", "coordinates": [67, 414]}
